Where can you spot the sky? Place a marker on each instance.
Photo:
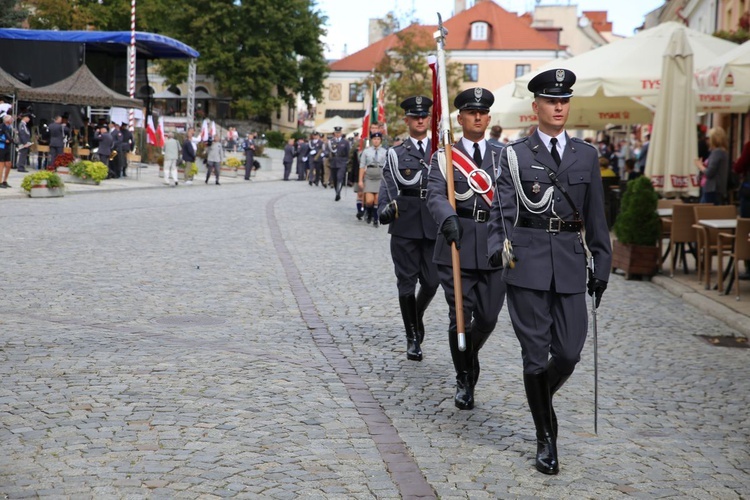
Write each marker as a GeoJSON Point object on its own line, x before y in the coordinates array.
{"type": "Point", "coordinates": [348, 20]}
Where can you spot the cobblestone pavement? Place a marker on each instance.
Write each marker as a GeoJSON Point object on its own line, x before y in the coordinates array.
{"type": "Point", "coordinates": [244, 341]}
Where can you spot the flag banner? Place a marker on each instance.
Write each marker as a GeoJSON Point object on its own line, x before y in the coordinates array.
{"type": "Point", "coordinates": [151, 131]}
{"type": "Point", "coordinates": [381, 110]}
{"type": "Point", "coordinates": [436, 106]}
{"type": "Point", "coordinates": [160, 133]}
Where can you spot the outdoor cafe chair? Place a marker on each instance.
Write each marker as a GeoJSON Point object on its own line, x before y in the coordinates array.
{"type": "Point", "coordinates": [666, 225]}
{"type": "Point", "coordinates": [682, 233]}
{"type": "Point", "coordinates": [737, 248]}
{"type": "Point", "coordinates": [707, 237]}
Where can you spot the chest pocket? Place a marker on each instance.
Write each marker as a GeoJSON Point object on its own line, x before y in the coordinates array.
{"type": "Point", "coordinates": [583, 177]}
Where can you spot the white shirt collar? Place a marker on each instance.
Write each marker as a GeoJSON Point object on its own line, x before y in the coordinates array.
{"type": "Point", "coordinates": [416, 146]}
{"type": "Point", "coordinates": [469, 146]}
{"type": "Point", "coordinates": [562, 140]}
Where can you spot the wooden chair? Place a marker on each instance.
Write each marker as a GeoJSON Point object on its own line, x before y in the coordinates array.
{"type": "Point", "coordinates": [736, 246]}
{"type": "Point", "coordinates": [707, 238]}
{"type": "Point", "coordinates": [682, 232]}
{"type": "Point", "coordinates": [666, 225]}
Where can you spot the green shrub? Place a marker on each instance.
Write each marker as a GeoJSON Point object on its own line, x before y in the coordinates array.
{"type": "Point", "coordinates": [38, 178]}
{"type": "Point", "coordinates": [276, 139]}
{"type": "Point", "coordinates": [94, 170]}
{"type": "Point", "coordinates": [299, 134]}
{"type": "Point", "coordinates": [638, 223]}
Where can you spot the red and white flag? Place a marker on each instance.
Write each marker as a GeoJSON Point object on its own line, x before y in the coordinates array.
{"type": "Point", "coordinates": [436, 106]}
{"type": "Point", "coordinates": [151, 131]}
{"type": "Point", "coordinates": [160, 133]}
{"type": "Point", "coordinates": [368, 119]}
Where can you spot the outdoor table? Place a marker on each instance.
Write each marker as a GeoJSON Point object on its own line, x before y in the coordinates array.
{"type": "Point", "coordinates": [664, 212]}
{"type": "Point", "coordinates": [725, 224]}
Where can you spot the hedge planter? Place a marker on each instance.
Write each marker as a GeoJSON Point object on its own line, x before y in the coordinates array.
{"type": "Point", "coordinates": [45, 192]}
{"type": "Point", "coordinates": [228, 172]}
{"type": "Point", "coordinates": [635, 259]}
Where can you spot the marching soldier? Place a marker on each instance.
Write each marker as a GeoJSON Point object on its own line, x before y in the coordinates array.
{"type": "Point", "coordinates": [316, 160]}
{"type": "Point", "coordinates": [549, 190]}
{"type": "Point", "coordinates": [474, 164]}
{"type": "Point", "coordinates": [402, 203]}
{"type": "Point", "coordinates": [338, 148]}
{"type": "Point", "coordinates": [126, 146]}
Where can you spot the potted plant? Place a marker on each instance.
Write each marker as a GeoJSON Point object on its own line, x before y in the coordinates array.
{"type": "Point", "coordinates": [230, 166]}
{"type": "Point", "coordinates": [88, 172]}
{"type": "Point", "coordinates": [43, 184]}
{"type": "Point", "coordinates": [60, 165]}
{"type": "Point", "coordinates": [637, 230]}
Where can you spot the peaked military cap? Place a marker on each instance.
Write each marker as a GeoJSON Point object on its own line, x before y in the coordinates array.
{"type": "Point", "coordinates": [315, 132]}
{"type": "Point", "coordinates": [337, 129]}
{"type": "Point", "coordinates": [553, 83]}
{"type": "Point", "coordinates": [475, 98]}
{"type": "Point", "coordinates": [417, 106]}
{"type": "Point", "coordinates": [376, 134]}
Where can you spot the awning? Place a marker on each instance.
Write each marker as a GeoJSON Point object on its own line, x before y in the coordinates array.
{"type": "Point", "coordinates": [148, 45]}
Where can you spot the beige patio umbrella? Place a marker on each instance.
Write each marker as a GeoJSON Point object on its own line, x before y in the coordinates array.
{"type": "Point", "coordinates": [336, 121]}
{"type": "Point", "coordinates": [728, 72]}
{"type": "Point", "coordinates": [674, 143]}
{"type": "Point", "coordinates": [593, 112]}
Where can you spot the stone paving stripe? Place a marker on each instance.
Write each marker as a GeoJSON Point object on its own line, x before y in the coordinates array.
{"type": "Point", "coordinates": [404, 470]}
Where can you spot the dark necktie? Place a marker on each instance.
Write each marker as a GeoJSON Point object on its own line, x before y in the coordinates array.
{"type": "Point", "coordinates": [421, 148]}
{"type": "Point", "coordinates": [555, 154]}
{"type": "Point", "coordinates": [477, 155]}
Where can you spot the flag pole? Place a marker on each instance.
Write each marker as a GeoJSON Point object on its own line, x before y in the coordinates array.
{"type": "Point", "coordinates": [446, 139]}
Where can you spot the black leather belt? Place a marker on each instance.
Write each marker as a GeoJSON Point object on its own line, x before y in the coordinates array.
{"type": "Point", "coordinates": [477, 215]}
{"type": "Point", "coordinates": [421, 193]}
{"type": "Point", "coordinates": [551, 225]}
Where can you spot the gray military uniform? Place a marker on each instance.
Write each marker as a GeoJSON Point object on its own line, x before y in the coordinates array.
{"type": "Point", "coordinates": [413, 233]}
{"type": "Point", "coordinates": [339, 155]}
{"type": "Point", "coordinates": [546, 287]}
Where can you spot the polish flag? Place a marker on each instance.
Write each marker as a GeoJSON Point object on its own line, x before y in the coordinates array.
{"type": "Point", "coordinates": [160, 132]}
{"type": "Point", "coordinates": [151, 131]}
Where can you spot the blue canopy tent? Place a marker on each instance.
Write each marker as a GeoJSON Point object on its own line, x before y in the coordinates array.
{"type": "Point", "coordinates": [43, 57]}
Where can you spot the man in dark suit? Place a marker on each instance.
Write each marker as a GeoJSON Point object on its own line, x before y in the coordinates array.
{"type": "Point", "coordinates": [338, 147]}
{"type": "Point", "coordinates": [114, 164]}
{"type": "Point", "coordinates": [104, 139]}
{"type": "Point", "coordinates": [289, 154]}
{"type": "Point", "coordinates": [483, 290]}
{"type": "Point", "coordinates": [249, 147]}
{"type": "Point", "coordinates": [57, 133]}
{"type": "Point", "coordinates": [125, 147]}
{"type": "Point", "coordinates": [402, 203]}
{"type": "Point", "coordinates": [303, 150]}
{"type": "Point", "coordinates": [549, 192]}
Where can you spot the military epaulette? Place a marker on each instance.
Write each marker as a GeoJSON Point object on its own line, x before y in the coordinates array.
{"type": "Point", "coordinates": [518, 141]}
{"type": "Point", "coordinates": [581, 141]}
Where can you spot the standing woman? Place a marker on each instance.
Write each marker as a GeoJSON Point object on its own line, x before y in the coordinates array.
{"type": "Point", "coordinates": [715, 173]}
{"type": "Point", "coordinates": [370, 173]}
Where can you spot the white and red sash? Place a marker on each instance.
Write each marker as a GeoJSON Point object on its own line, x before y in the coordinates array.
{"type": "Point", "coordinates": [480, 183]}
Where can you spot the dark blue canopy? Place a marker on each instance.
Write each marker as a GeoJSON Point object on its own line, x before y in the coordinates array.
{"type": "Point", "coordinates": [148, 45]}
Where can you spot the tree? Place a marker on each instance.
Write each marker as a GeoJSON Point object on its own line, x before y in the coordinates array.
{"type": "Point", "coordinates": [12, 14]}
{"type": "Point", "coordinates": [405, 70]}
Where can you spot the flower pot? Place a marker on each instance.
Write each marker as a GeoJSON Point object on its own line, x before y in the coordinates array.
{"type": "Point", "coordinates": [635, 259]}
{"type": "Point", "coordinates": [45, 192]}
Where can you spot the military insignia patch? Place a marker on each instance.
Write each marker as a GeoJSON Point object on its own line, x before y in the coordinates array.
{"type": "Point", "coordinates": [407, 171]}
{"type": "Point", "coordinates": [560, 75]}
{"type": "Point", "coordinates": [478, 94]}
{"type": "Point", "coordinates": [419, 100]}
{"type": "Point", "coordinates": [535, 188]}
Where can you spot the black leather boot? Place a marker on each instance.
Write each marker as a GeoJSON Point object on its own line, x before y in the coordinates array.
{"type": "Point", "coordinates": [424, 297]}
{"type": "Point", "coordinates": [540, 404]}
{"type": "Point", "coordinates": [409, 313]}
{"type": "Point", "coordinates": [556, 379]}
{"type": "Point", "coordinates": [464, 399]}
{"type": "Point", "coordinates": [478, 338]}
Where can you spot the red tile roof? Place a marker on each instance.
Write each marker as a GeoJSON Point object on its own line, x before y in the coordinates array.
{"type": "Point", "coordinates": [598, 20]}
{"type": "Point", "coordinates": [506, 31]}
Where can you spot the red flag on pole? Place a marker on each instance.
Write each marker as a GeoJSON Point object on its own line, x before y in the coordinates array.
{"type": "Point", "coordinates": [160, 133]}
{"type": "Point", "coordinates": [371, 116]}
{"type": "Point", "coordinates": [436, 106]}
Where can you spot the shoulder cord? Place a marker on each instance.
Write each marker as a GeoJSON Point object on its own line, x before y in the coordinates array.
{"type": "Point", "coordinates": [442, 164]}
{"type": "Point", "coordinates": [397, 174]}
{"type": "Point", "coordinates": [539, 207]}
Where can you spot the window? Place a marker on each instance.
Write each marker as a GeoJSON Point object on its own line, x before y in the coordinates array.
{"type": "Point", "coordinates": [479, 31]}
{"type": "Point", "coordinates": [471, 72]}
{"type": "Point", "coordinates": [290, 114]}
{"type": "Point", "coordinates": [356, 92]}
{"type": "Point", "coordinates": [522, 69]}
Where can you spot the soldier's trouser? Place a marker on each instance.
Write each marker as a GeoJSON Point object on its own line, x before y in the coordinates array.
{"type": "Point", "coordinates": [483, 295]}
{"type": "Point", "coordinates": [548, 323]}
{"type": "Point", "coordinates": [412, 262]}
{"type": "Point", "coordinates": [318, 172]}
{"type": "Point", "coordinates": [327, 172]}
{"type": "Point", "coordinates": [337, 175]}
